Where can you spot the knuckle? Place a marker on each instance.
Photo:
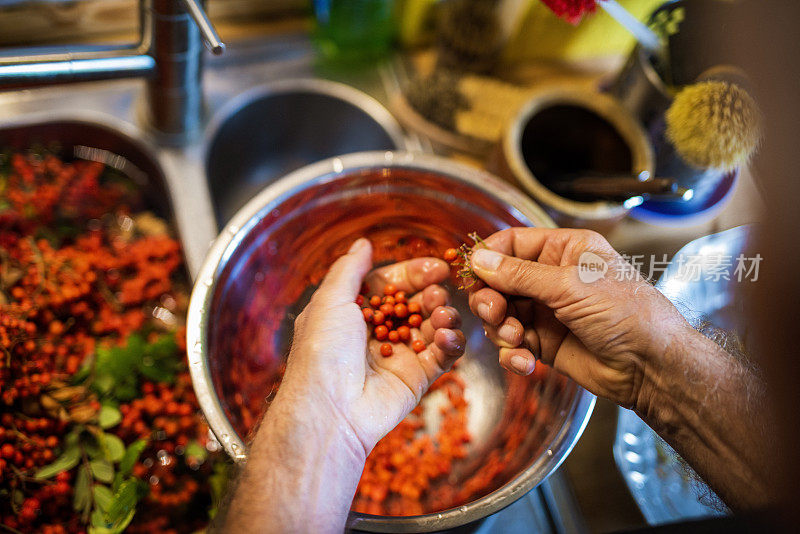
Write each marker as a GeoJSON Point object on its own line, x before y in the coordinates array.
{"type": "Point", "coordinates": [589, 235]}
{"type": "Point", "coordinates": [593, 239]}
{"type": "Point", "coordinates": [502, 234]}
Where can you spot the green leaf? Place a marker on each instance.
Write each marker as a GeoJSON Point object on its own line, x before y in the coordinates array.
{"type": "Point", "coordinates": [105, 518]}
{"type": "Point", "coordinates": [118, 369]}
{"type": "Point", "coordinates": [117, 365]}
{"type": "Point", "coordinates": [82, 499]}
{"type": "Point", "coordinates": [163, 348]}
{"type": "Point", "coordinates": [113, 446]}
{"type": "Point", "coordinates": [118, 480]}
{"type": "Point", "coordinates": [132, 454]}
{"type": "Point", "coordinates": [218, 483]}
{"type": "Point", "coordinates": [103, 383]}
{"type": "Point", "coordinates": [84, 371]}
{"type": "Point", "coordinates": [92, 447]}
{"type": "Point", "coordinates": [119, 361]}
{"type": "Point", "coordinates": [68, 459]}
{"type": "Point", "coordinates": [74, 436]}
{"type": "Point", "coordinates": [127, 390]}
{"type": "Point", "coordinates": [109, 416]}
{"type": "Point", "coordinates": [159, 361]}
{"type": "Point", "coordinates": [122, 525]}
{"type": "Point", "coordinates": [156, 374]}
{"type": "Point", "coordinates": [102, 471]}
{"type": "Point", "coordinates": [98, 517]}
{"type": "Point", "coordinates": [17, 498]}
{"type": "Point", "coordinates": [124, 501]}
{"type": "Point", "coordinates": [195, 450]}
{"type": "Point", "coordinates": [103, 497]}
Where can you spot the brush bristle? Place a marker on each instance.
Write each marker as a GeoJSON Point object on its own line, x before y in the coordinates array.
{"type": "Point", "coordinates": [714, 125]}
{"type": "Point", "coordinates": [469, 34]}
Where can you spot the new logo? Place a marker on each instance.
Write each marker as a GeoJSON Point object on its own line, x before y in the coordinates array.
{"type": "Point", "coordinates": [591, 267]}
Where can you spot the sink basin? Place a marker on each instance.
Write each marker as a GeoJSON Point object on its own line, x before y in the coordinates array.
{"type": "Point", "coordinates": [277, 128]}
{"type": "Point", "coordinates": [85, 139]}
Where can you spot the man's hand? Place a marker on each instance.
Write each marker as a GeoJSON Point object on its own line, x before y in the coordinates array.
{"type": "Point", "coordinates": [621, 339]}
{"type": "Point", "coordinates": [339, 397]}
{"type": "Point", "coordinates": [334, 366]}
{"type": "Point", "coordinates": [608, 335]}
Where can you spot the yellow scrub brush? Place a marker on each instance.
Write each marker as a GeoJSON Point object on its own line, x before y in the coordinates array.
{"type": "Point", "coordinates": [714, 125]}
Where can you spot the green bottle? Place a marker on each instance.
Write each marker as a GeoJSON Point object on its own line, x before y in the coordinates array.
{"type": "Point", "coordinates": [354, 30]}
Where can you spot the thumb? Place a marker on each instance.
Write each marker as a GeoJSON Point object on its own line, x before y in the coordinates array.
{"type": "Point", "coordinates": [343, 281]}
{"type": "Point", "coordinates": [513, 276]}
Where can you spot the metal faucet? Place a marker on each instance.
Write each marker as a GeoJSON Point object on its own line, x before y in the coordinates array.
{"type": "Point", "coordinates": [168, 55]}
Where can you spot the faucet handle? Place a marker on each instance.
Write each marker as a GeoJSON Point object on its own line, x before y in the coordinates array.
{"type": "Point", "coordinates": [209, 34]}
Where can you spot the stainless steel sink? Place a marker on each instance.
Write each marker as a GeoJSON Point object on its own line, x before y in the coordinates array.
{"type": "Point", "coordinates": [96, 142]}
{"type": "Point", "coordinates": [277, 128]}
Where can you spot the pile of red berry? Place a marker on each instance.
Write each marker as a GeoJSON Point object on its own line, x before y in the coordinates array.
{"type": "Point", "coordinates": [75, 284]}
{"type": "Point", "coordinates": [392, 318]}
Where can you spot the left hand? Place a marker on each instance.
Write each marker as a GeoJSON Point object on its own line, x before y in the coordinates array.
{"type": "Point", "coordinates": [334, 372]}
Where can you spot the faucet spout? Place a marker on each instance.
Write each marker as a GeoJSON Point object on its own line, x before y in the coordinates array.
{"type": "Point", "coordinates": [207, 30]}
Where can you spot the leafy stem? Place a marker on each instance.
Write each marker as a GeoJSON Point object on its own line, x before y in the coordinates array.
{"type": "Point", "coordinates": [463, 261]}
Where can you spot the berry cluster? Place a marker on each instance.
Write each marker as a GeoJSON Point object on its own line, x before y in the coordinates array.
{"type": "Point", "coordinates": [392, 318]}
{"type": "Point", "coordinates": [80, 275]}
{"type": "Point", "coordinates": [42, 189]}
{"type": "Point", "coordinates": [27, 445]}
{"type": "Point", "coordinates": [166, 415]}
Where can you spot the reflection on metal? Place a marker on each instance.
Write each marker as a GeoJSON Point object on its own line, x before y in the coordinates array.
{"type": "Point", "coordinates": [655, 478]}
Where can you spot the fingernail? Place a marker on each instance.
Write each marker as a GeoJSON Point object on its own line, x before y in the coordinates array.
{"type": "Point", "coordinates": [359, 243]}
{"type": "Point", "coordinates": [508, 333]}
{"type": "Point", "coordinates": [483, 311]}
{"type": "Point", "coordinates": [486, 259]}
{"type": "Point", "coordinates": [520, 364]}
{"type": "Point", "coordinates": [452, 338]}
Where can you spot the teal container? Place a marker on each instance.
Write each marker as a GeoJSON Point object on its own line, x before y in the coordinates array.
{"type": "Point", "coordinates": [354, 30]}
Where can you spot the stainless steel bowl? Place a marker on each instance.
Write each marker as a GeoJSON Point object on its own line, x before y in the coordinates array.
{"type": "Point", "coordinates": [263, 267]}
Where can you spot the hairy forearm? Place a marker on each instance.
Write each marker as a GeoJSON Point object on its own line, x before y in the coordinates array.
{"type": "Point", "coordinates": [301, 474]}
{"type": "Point", "coordinates": [711, 409]}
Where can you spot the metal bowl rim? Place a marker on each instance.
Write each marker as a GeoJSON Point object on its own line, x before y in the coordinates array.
{"type": "Point", "coordinates": [599, 103]}
{"type": "Point", "coordinates": [247, 217]}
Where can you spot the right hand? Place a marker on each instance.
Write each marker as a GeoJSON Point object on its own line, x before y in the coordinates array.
{"type": "Point", "coordinates": [609, 335]}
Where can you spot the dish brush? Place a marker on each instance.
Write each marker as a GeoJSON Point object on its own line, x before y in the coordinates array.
{"type": "Point", "coordinates": [714, 124]}
{"type": "Point", "coordinates": [437, 97]}
{"type": "Point", "coordinates": [470, 34]}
